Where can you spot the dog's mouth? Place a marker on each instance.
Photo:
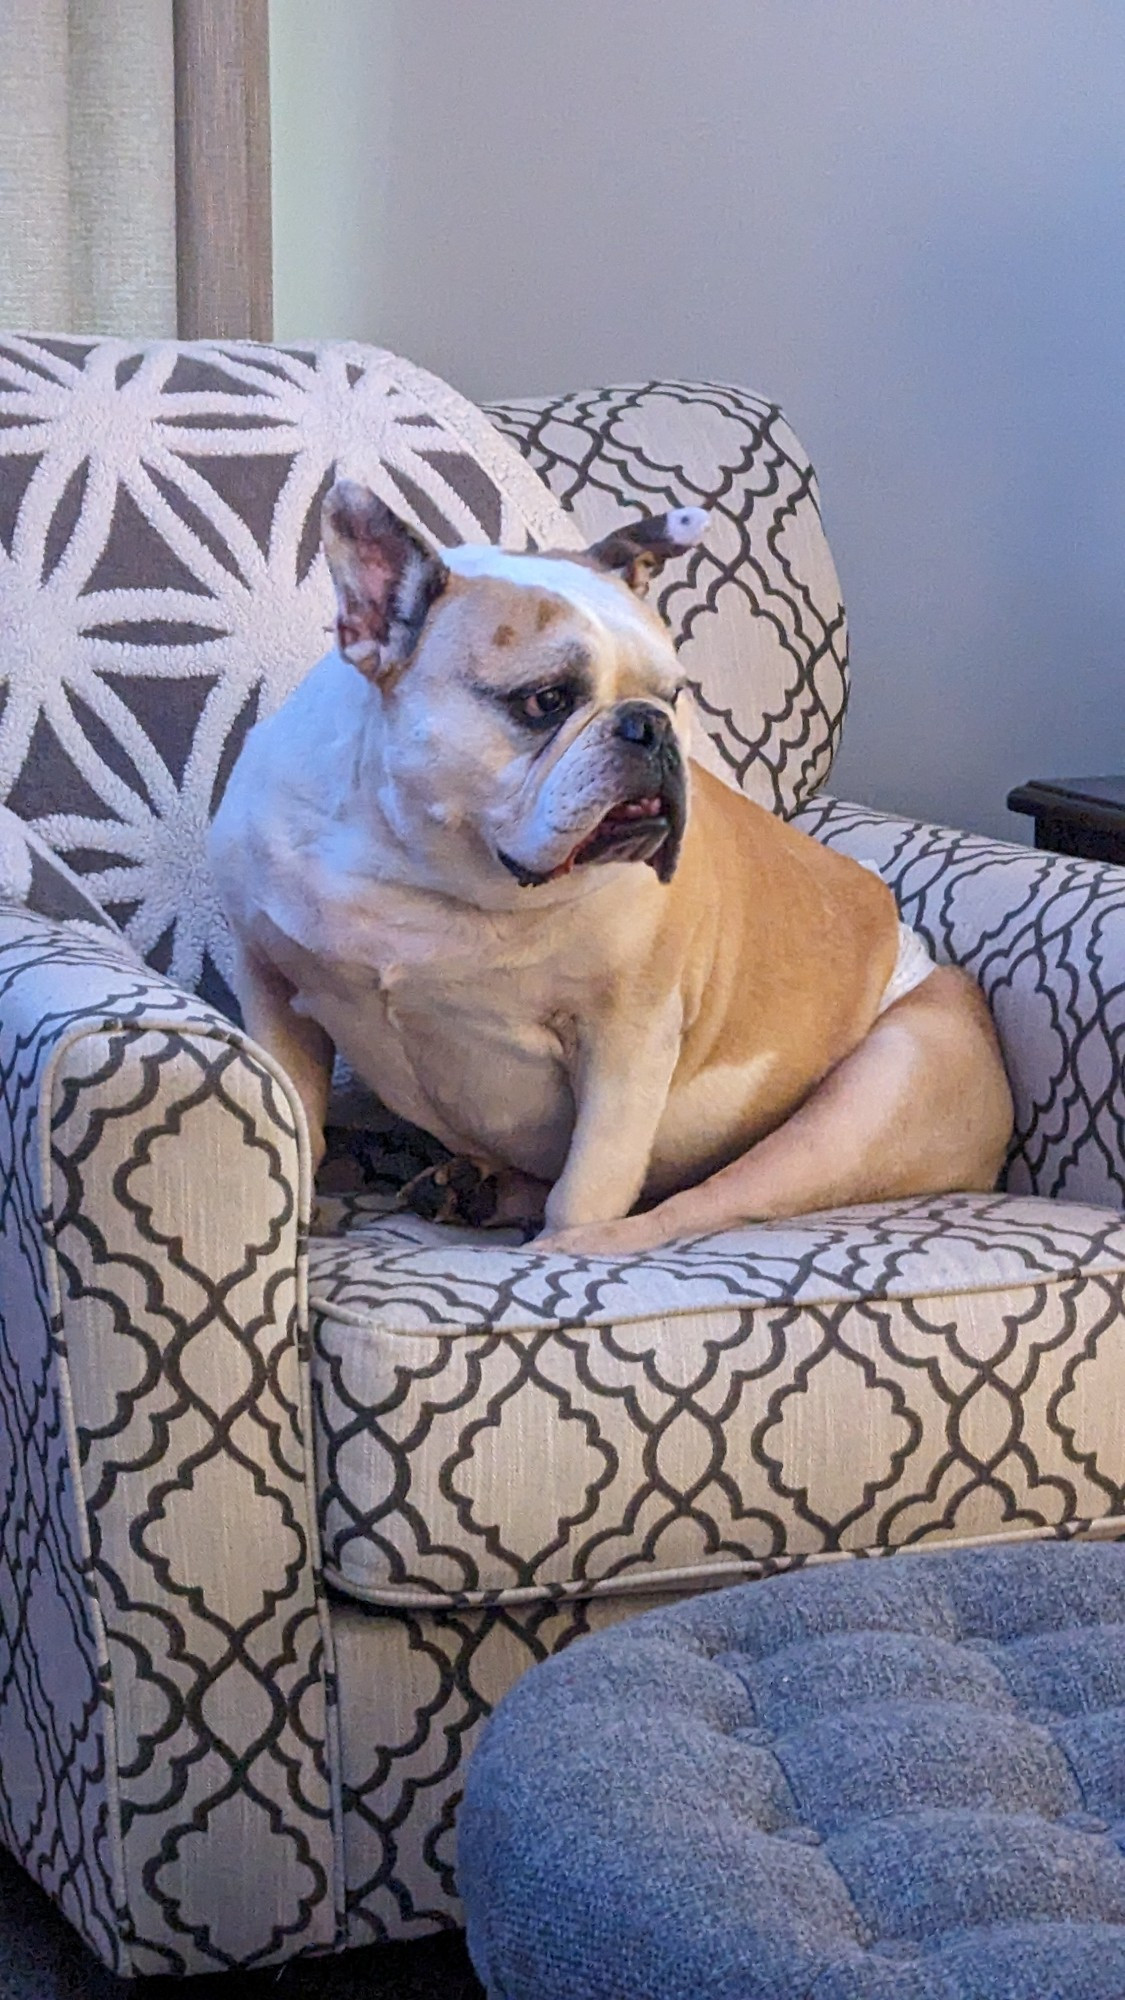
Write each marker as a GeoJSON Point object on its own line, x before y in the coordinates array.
{"type": "Point", "coordinates": [648, 829]}
{"type": "Point", "coordinates": [634, 830]}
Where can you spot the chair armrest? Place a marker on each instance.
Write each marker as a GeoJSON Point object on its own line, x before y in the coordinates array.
{"type": "Point", "coordinates": [1044, 935]}
{"type": "Point", "coordinates": [167, 1769]}
{"type": "Point", "coordinates": [755, 610]}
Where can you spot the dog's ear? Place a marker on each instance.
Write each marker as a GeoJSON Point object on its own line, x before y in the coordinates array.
{"type": "Point", "coordinates": [640, 549]}
{"type": "Point", "coordinates": [386, 579]}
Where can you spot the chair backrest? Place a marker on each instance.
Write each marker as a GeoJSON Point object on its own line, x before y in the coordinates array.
{"type": "Point", "coordinates": [755, 610]}
{"type": "Point", "coordinates": [161, 584]}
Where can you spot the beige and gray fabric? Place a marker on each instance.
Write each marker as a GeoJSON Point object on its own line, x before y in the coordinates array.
{"type": "Point", "coordinates": [166, 1695]}
{"type": "Point", "coordinates": [1044, 937]}
{"type": "Point", "coordinates": [756, 610]}
{"type": "Point", "coordinates": [88, 165]}
{"type": "Point", "coordinates": [847, 1381]}
{"type": "Point", "coordinates": [294, 1489]}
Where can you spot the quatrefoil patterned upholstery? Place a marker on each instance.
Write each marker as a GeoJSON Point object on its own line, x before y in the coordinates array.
{"type": "Point", "coordinates": [900, 1782]}
{"type": "Point", "coordinates": [756, 613]}
{"type": "Point", "coordinates": [849, 1380]}
{"type": "Point", "coordinates": [295, 1487]}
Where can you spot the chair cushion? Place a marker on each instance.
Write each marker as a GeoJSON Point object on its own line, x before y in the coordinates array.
{"type": "Point", "coordinates": [494, 1423]}
{"type": "Point", "coordinates": [895, 1781]}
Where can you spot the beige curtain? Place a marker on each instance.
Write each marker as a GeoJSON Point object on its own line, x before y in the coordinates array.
{"type": "Point", "coordinates": [87, 166]}
{"type": "Point", "coordinates": [135, 167]}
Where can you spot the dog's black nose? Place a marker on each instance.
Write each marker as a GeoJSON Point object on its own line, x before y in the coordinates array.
{"type": "Point", "coordinates": [640, 723]}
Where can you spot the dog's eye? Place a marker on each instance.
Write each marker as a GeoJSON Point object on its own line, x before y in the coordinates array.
{"type": "Point", "coordinates": [543, 705]}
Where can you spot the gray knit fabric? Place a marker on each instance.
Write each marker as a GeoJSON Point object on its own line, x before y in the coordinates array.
{"type": "Point", "coordinates": [898, 1781]}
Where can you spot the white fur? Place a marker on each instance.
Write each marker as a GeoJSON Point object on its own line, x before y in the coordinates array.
{"type": "Point", "coordinates": [913, 964]}
{"type": "Point", "coordinates": [414, 573]}
{"type": "Point", "coordinates": [608, 602]}
{"type": "Point", "coordinates": [356, 852]}
{"type": "Point", "coordinates": [686, 525]}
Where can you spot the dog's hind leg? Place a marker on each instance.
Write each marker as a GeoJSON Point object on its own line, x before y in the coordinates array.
{"type": "Point", "coordinates": [922, 1106]}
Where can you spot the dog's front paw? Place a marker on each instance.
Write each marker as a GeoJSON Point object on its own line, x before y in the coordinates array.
{"type": "Point", "coordinates": [456, 1191]}
{"type": "Point", "coordinates": [626, 1238]}
{"type": "Point", "coordinates": [631, 1236]}
{"type": "Point", "coordinates": [461, 1191]}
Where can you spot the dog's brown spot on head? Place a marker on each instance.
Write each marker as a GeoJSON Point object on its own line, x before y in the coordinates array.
{"type": "Point", "coordinates": [503, 635]}
{"type": "Point", "coordinates": [548, 608]}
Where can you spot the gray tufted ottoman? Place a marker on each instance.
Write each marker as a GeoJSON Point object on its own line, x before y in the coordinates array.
{"type": "Point", "coordinates": [884, 1781]}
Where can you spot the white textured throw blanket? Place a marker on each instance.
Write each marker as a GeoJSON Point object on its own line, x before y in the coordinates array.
{"type": "Point", "coordinates": [161, 582]}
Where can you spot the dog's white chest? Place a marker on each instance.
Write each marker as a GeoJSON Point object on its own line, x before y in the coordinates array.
{"type": "Point", "coordinates": [473, 1053]}
{"type": "Point", "coordinates": [456, 1012]}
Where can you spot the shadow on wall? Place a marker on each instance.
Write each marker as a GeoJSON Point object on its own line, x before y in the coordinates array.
{"type": "Point", "coordinates": [993, 559]}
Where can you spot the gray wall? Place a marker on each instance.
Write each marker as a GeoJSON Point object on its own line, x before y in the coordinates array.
{"type": "Point", "coordinates": [903, 218]}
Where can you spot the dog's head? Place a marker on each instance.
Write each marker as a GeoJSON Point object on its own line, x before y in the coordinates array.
{"type": "Point", "coordinates": [529, 703]}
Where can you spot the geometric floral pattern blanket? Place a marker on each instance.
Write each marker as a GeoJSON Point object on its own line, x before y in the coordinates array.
{"type": "Point", "coordinates": [162, 583]}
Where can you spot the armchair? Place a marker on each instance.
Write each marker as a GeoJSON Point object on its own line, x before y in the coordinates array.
{"type": "Point", "coordinates": [293, 1489]}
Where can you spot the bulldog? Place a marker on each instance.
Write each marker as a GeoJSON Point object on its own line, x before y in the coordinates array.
{"type": "Point", "coordinates": [472, 854]}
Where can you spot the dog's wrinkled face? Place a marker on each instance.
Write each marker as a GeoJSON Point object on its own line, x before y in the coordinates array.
{"type": "Point", "coordinates": [532, 712]}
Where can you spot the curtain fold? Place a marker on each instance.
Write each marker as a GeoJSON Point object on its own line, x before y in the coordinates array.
{"type": "Point", "coordinates": [87, 166]}
{"type": "Point", "coordinates": [122, 166]}
{"type": "Point", "coordinates": [34, 170]}
{"type": "Point", "coordinates": [134, 165]}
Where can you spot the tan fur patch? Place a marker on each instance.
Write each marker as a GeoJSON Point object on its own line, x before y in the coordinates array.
{"type": "Point", "coordinates": [503, 635]}
{"type": "Point", "coordinates": [546, 611]}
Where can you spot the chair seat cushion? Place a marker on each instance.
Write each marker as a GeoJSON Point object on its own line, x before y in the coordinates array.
{"type": "Point", "coordinates": [893, 1781]}
{"type": "Point", "coordinates": [498, 1424]}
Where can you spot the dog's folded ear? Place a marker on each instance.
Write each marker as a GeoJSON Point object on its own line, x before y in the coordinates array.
{"type": "Point", "coordinates": [640, 549]}
{"type": "Point", "coordinates": [386, 579]}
